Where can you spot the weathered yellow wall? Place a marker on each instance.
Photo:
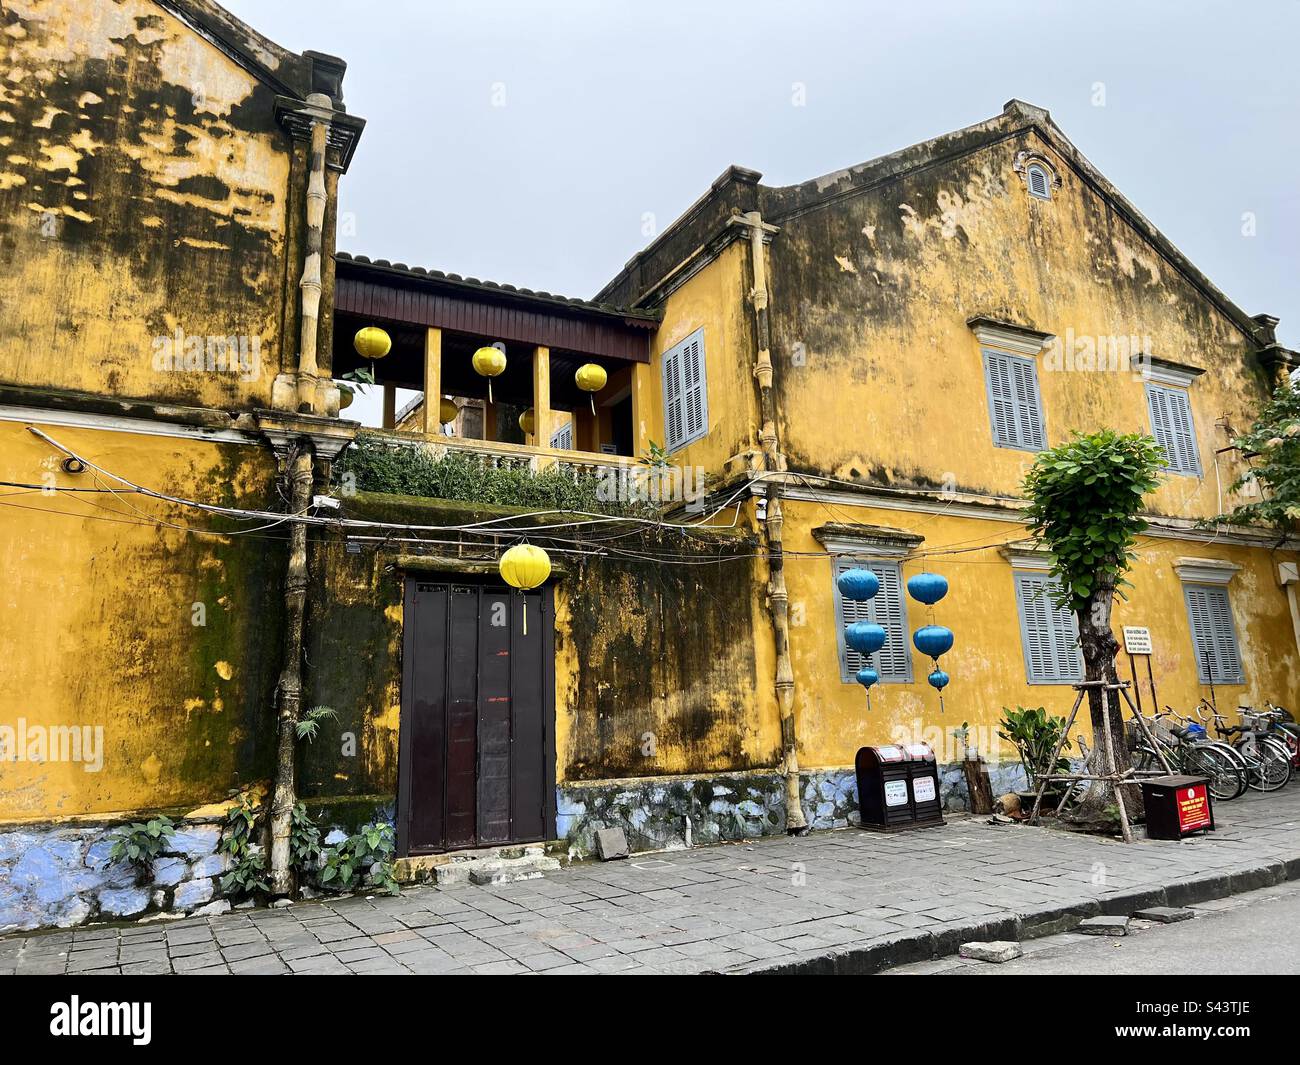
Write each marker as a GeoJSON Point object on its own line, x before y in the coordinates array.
{"type": "Point", "coordinates": [99, 606]}
{"type": "Point", "coordinates": [715, 299]}
{"type": "Point", "coordinates": [878, 287]}
{"type": "Point", "coordinates": [986, 663]}
{"type": "Point", "coordinates": [143, 189]}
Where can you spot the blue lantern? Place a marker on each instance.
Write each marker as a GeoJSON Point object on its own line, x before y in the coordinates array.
{"type": "Point", "coordinates": [858, 584]}
{"type": "Point", "coordinates": [867, 677]}
{"type": "Point", "coordinates": [932, 640]}
{"type": "Point", "coordinates": [927, 588]}
{"type": "Point", "coordinates": [865, 637]}
{"type": "Point", "coordinates": [938, 681]}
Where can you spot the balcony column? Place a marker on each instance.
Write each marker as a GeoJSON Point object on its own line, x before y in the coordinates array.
{"type": "Point", "coordinates": [542, 417]}
{"type": "Point", "coordinates": [390, 407]}
{"type": "Point", "coordinates": [432, 381]}
{"type": "Point", "coordinates": [643, 399]}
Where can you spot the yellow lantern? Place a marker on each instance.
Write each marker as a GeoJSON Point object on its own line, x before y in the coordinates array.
{"type": "Point", "coordinates": [372, 342]}
{"type": "Point", "coordinates": [525, 567]}
{"type": "Point", "coordinates": [345, 398]}
{"type": "Point", "coordinates": [489, 362]}
{"type": "Point", "coordinates": [591, 378]}
{"type": "Point", "coordinates": [447, 411]}
{"type": "Point", "coordinates": [527, 422]}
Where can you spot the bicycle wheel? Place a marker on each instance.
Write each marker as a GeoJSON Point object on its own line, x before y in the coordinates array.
{"type": "Point", "coordinates": [1269, 762]}
{"type": "Point", "coordinates": [1233, 756]}
{"type": "Point", "coordinates": [1224, 776]}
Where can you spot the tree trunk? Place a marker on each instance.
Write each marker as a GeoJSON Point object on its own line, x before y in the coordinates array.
{"type": "Point", "coordinates": [284, 796]}
{"type": "Point", "coordinates": [1099, 650]}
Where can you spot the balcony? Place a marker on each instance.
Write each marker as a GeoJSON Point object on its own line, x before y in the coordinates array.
{"type": "Point", "coordinates": [532, 414]}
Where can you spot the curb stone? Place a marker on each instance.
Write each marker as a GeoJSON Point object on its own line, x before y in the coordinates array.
{"type": "Point", "coordinates": [891, 951]}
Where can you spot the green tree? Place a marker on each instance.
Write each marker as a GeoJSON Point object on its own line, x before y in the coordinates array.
{"type": "Point", "coordinates": [1273, 446]}
{"type": "Point", "coordinates": [1085, 506]}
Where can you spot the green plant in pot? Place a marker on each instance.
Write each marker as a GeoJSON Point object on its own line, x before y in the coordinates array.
{"type": "Point", "coordinates": [1035, 733]}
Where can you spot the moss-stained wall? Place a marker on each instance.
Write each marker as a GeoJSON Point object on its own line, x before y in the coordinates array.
{"type": "Point", "coordinates": [164, 637]}
{"type": "Point", "coordinates": [654, 665]}
{"type": "Point", "coordinates": [144, 189]}
{"type": "Point", "coordinates": [880, 376]}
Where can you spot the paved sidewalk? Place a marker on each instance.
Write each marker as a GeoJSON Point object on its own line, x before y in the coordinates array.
{"type": "Point", "coordinates": [842, 901]}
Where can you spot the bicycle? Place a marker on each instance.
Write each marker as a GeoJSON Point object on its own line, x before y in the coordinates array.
{"type": "Point", "coordinates": [1193, 753]}
{"type": "Point", "coordinates": [1268, 760]}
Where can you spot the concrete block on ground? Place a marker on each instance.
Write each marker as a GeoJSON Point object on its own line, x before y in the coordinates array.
{"type": "Point", "coordinates": [997, 951]}
{"type": "Point", "coordinates": [611, 844]}
{"type": "Point", "coordinates": [1104, 926]}
{"type": "Point", "coordinates": [1165, 914]}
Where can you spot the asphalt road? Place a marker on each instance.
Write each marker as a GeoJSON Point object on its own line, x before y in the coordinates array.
{"type": "Point", "coordinates": [1255, 933]}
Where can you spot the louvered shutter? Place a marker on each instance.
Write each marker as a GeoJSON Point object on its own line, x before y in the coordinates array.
{"type": "Point", "coordinates": [1214, 636]}
{"type": "Point", "coordinates": [1029, 411]}
{"type": "Point", "coordinates": [1173, 428]}
{"type": "Point", "coordinates": [563, 438]}
{"type": "Point", "coordinates": [893, 661]}
{"type": "Point", "coordinates": [1015, 407]}
{"type": "Point", "coordinates": [1049, 634]}
{"type": "Point", "coordinates": [686, 405]}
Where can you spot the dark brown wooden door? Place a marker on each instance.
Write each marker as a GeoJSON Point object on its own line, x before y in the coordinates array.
{"type": "Point", "coordinates": [476, 763]}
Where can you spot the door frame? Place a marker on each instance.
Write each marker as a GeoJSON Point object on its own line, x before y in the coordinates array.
{"type": "Point", "coordinates": [403, 813]}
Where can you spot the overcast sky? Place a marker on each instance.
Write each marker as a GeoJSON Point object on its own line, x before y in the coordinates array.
{"type": "Point", "coordinates": [537, 143]}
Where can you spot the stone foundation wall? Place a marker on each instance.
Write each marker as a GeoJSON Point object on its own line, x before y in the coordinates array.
{"type": "Point", "coordinates": [657, 812]}
{"type": "Point", "coordinates": [62, 876]}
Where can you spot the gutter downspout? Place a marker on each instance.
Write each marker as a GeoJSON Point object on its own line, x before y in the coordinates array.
{"type": "Point", "coordinates": [774, 462]}
{"type": "Point", "coordinates": [310, 285]}
{"type": "Point", "coordinates": [299, 471]}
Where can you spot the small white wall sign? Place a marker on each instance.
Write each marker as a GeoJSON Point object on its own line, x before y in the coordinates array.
{"type": "Point", "coordinates": [1137, 640]}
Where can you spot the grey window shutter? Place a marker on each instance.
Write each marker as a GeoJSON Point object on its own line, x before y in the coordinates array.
{"type": "Point", "coordinates": [893, 661]}
{"type": "Point", "coordinates": [1038, 183]}
{"type": "Point", "coordinates": [1174, 429]}
{"type": "Point", "coordinates": [1015, 406]}
{"type": "Point", "coordinates": [686, 405]}
{"type": "Point", "coordinates": [563, 438]}
{"type": "Point", "coordinates": [1049, 634]}
{"type": "Point", "coordinates": [1214, 636]}
{"type": "Point", "coordinates": [1029, 410]}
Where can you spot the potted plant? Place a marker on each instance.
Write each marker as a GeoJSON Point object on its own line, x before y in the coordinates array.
{"type": "Point", "coordinates": [1035, 733]}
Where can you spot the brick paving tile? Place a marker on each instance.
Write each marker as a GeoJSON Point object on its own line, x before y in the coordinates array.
{"type": "Point", "coordinates": [685, 911]}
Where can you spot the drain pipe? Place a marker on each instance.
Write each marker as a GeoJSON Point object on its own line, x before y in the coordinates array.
{"type": "Point", "coordinates": [298, 467]}
{"type": "Point", "coordinates": [298, 470]}
{"type": "Point", "coordinates": [309, 287]}
{"type": "Point", "coordinates": [773, 521]}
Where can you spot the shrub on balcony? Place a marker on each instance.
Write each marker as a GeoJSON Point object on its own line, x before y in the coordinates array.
{"type": "Point", "coordinates": [375, 465]}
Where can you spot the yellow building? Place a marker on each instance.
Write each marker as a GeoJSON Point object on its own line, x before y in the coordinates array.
{"type": "Point", "coordinates": [853, 371]}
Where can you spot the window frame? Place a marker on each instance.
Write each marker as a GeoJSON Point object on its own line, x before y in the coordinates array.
{"type": "Point", "coordinates": [987, 355]}
{"type": "Point", "coordinates": [1174, 466]}
{"type": "Point", "coordinates": [1018, 576]}
{"type": "Point", "coordinates": [876, 564]}
{"type": "Point", "coordinates": [678, 352]}
{"type": "Point", "coordinates": [1030, 170]}
{"type": "Point", "coordinates": [1203, 675]}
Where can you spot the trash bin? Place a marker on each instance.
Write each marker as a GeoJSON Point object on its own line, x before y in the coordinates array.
{"type": "Point", "coordinates": [898, 787]}
{"type": "Point", "coordinates": [1177, 806]}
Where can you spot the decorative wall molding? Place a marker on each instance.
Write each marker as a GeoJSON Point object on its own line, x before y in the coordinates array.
{"type": "Point", "coordinates": [1026, 555]}
{"type": "Point", "coordinates": [867, 541]}
{"type": "Point", "coordinates": [1008, 336]}
{"type": "Point", "coordinates": [1167, 372]}
{"type": "Point", "coordinates": [1205, 570]}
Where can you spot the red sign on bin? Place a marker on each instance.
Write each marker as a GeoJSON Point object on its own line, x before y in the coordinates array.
{"type": "Point", "coordinates": [1193, 808]}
